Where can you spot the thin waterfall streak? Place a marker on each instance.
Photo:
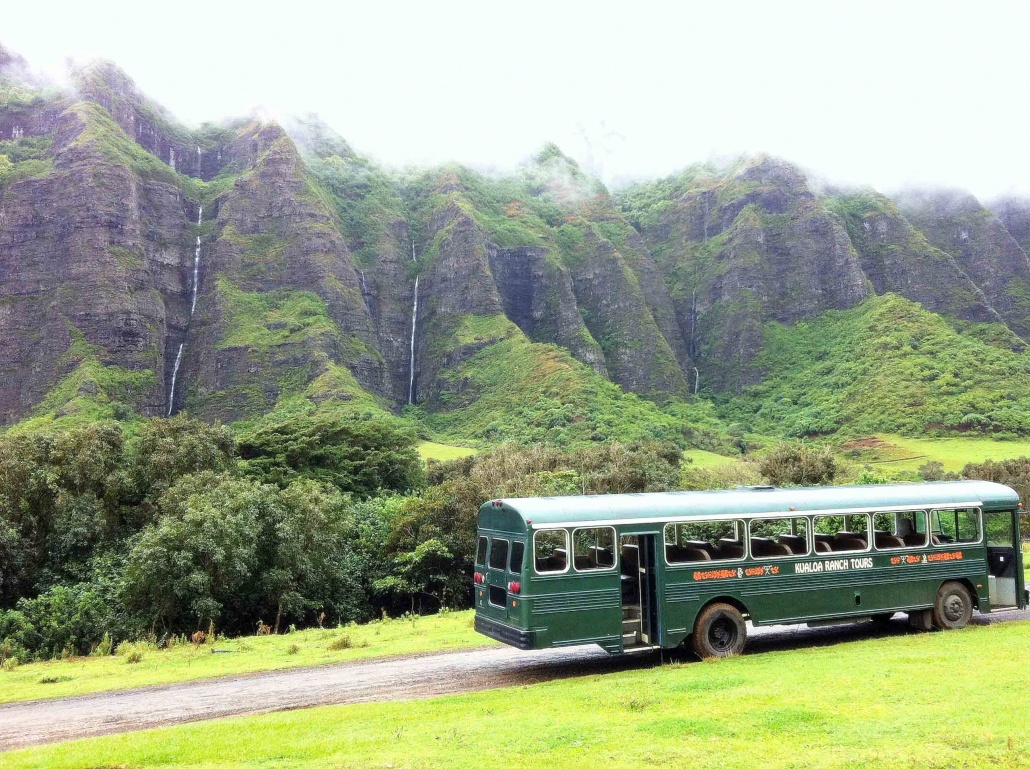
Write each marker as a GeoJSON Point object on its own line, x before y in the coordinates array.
{"type": "Point", "coordinates": [193, 308]}
{"type": "Point", "coordinates": [414, 323]}
{"type": "Point", "coordinates": [175, 374]}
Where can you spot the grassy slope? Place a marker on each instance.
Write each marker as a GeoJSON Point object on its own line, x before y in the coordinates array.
{"type": "Point", "coordinates": [84, 675]}
{"type": "Point", "coordinates": [929, 700]}
{"type": "Point", "coordinates": [517, 390]}
{"type": "Point", "coordinates": [953, 453]}
{"type": "Point", "coordinates": [885, 366]}
{"type": "Point", "coordinates": [442, 452]}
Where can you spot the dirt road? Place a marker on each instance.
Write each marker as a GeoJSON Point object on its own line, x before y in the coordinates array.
{"type": "Point", "coordinates": [415, 677]}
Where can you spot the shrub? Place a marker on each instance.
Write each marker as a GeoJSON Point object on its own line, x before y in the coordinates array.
{"type": "Point", "coordinates": [292, 649]}
{"type": "Point", "coordinates": [798, 464]}
{"type": "Point", "coordinates": [340, 643]}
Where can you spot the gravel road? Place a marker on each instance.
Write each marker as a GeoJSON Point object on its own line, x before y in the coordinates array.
{"type": "Point", "coordinates": [397, 678]}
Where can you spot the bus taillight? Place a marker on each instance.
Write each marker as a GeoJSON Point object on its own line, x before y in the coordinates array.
{"type": "Point", "coordinates": [478, 578]}
{"type": "Point", "coordinates": [514, 587]}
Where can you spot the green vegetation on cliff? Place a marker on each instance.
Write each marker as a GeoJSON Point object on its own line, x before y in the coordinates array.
{"type": "Point", "coordinates": [516, 390]}
{"type": "Point", "coordinates": [888, 366]}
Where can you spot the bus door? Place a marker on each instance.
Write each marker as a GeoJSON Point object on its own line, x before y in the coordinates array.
{"type": "Point", "coordinates": [639, 590]}
{"type": "Point", "coordinates": [1004, 561]}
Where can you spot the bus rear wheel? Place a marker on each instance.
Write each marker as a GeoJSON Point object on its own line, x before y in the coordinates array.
{"type": "Point", "coordinates": [719, 632]}
{"type": "Point", "coordinates": [953, 607]}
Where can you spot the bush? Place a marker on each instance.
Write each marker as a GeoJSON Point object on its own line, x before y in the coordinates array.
{"type": "Point", "coordinates": [340, 643]}
{"type": "Point", "coordinates": [798, 464]}
{"type": "Point", "coordinates": [362, 456]}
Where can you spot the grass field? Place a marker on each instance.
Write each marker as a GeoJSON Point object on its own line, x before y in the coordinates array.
{"type": "Point", "coordinates": [903, 453]}
{"type": "Point", "coordinates": [705, 460]}
{"type": "Point", "coordinates": [442, 452]}
{"type": "Point", "coordinates": [953, 699]}
{"type": "Point", "coordinates": [186, 662]}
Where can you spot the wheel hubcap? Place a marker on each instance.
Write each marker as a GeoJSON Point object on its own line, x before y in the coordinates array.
{"type": "Point", "coordinates": [722, 634]}
{"type": "Point", "coordinates": [954, 608]}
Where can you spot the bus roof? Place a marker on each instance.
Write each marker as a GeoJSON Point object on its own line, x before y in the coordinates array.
{"type": "Point", "coordinates": [544, 511]}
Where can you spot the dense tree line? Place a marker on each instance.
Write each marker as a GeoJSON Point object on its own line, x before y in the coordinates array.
{"type": "Point", "coordinates": [182, 525]}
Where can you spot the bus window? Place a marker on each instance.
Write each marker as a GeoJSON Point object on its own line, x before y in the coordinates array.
{"type": "Point", "coordinates": [499, 554]}
{"type": "Point", "coordinates": [950, 527]}
{"type": "Point", "coordinates": [894, 530]}
{"type": "Point", "coordinates": [518, 550]}
{"type": "Point", "coordinates": [777, 537]}
{"type": "Point", "coordinates": [593, 548]}
{"type": "Point", "coordinates": [551, 551]}
{"type": "Point", "coordinates": [703, 541]}
{"type": "Point", "coordinates": [835, 533]}
{"type": "Point", "coordinates": [481, 552]}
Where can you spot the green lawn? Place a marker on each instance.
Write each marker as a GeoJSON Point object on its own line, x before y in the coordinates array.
{"type": "Point", "coordinates": [443, 452]}
{"type": "Point", "coordinates": [705, 460]}
{"type": "Point", "coordinates": [83, 675]}
{"type": "Point", "coordinates": [953, 453]}
{"type": "Point", "coordinates": [953, 699]}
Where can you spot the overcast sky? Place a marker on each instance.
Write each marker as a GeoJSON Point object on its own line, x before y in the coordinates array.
{"type": "Point", "coordinates": [880, 93]}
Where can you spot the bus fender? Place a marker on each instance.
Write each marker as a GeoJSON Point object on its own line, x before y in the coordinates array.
{"type": "Point", "coordinates": [734, 602]}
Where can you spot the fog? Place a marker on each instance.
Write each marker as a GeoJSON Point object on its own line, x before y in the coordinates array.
{"type": "Point", "coordinates": [879, 93]}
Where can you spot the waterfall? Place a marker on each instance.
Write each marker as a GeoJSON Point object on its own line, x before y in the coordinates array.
{"type": "Point", "coordinates": [175, 374]}
{"type": "Point", "coordinates": [196, 265]}
{"type": "Point", "coordinates": [194, 287]}
{"type": "Point", "coordinates": [414, 323]}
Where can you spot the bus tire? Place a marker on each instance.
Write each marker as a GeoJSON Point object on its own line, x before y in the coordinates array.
{"type": "Point", "coordinates": [953, 607]}
{"type": "Point", "coordinates": [719, 631]}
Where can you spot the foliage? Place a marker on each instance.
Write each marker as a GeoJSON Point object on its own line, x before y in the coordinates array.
{"type": "Point", "coordinates": [358, 455]}
{"type": "Point", "coordinates": [1011, 472]}
{"type": "Point", "coordinates": [886, 365]}
{"type": "Point", "coordinates": [798, 464]}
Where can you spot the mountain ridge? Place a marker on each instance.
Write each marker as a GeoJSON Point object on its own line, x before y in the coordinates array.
{"type": "Point", "coordinates": [308, 258]}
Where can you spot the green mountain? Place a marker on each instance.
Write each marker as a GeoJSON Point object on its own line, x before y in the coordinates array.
{"type": "Point", "coordinates": [247, 272]}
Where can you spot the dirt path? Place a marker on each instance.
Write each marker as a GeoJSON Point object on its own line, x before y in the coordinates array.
{"type": "Point", "coordinates": [416, 677]}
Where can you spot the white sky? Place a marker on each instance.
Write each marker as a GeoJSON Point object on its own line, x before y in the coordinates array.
{"type": "Point", "coordinates": [881, 93]}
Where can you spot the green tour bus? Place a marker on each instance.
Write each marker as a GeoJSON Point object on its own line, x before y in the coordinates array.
{"type": "Point", "coordinates": [644, 571]}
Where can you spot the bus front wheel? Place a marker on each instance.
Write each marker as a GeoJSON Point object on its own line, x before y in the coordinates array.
{"type": "Point", "coordinates": [719, 632]}
{"type": "Point", "coordinates": [953, 608]}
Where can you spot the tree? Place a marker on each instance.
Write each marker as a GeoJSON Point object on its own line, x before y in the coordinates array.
{"type": "Point", "coordinates": [1011, 472]}
{"type": "Point", "coordinates": [358, 455]}
{"type": "Point", "coordinates": [307, 541]}
{"type": "Point", "coordinates": [798, 464]}
{"type": "Point", "coordinates": [195, 564]}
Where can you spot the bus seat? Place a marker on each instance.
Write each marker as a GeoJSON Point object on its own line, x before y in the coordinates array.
{"type": "Point", "coordinates": [764, 547]}
{"type": "Point", "coordinates": [827, 538]}
{"type": "Point", "coordinates": [849, 540]}
{"type": "Point", "coordinates": [679, 554]}
{"type": "Point", "coordinates": [797, 544]}
{"type": "Point", "coordinates": [885, 540]}
{"type": "Point", "coordinates": [701, 544]}
{"type": "Point", "coordinates": [822, 546]}
{"type": "Point", "coordinates": [601, 557]}
{"type": "Point", "coordinates": [630, 559]}
{"type": "Point", "coordinates": [730, 548]}
{"type": "Point", "coordinates": [915, 539]}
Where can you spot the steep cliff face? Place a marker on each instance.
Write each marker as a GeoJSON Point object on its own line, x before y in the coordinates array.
{"type": "Point", "coordinates": [91, 247]}
{"type": "Point", "coordinates": [741, 247]}
{"type": "Point", "coordinates": [898, 258]}
{"type": "Point", "coordinates": [248, 271]}
{"type": "Point", "coordinates": [959, 225]}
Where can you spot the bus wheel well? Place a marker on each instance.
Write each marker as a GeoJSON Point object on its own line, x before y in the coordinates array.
{"type": "Point", "coordinates": [736, 604]}
{"type": "Point", "coordinates": [967, 583]}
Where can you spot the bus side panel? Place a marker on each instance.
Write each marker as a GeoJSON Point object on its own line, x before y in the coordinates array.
{"type": "Point", "coordinates": [575, 608]}
{"type": "Point", "coordinates": [805, 590]}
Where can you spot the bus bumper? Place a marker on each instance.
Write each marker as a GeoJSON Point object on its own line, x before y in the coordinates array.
{"type": "Point", "coordinates": [520, 639]}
